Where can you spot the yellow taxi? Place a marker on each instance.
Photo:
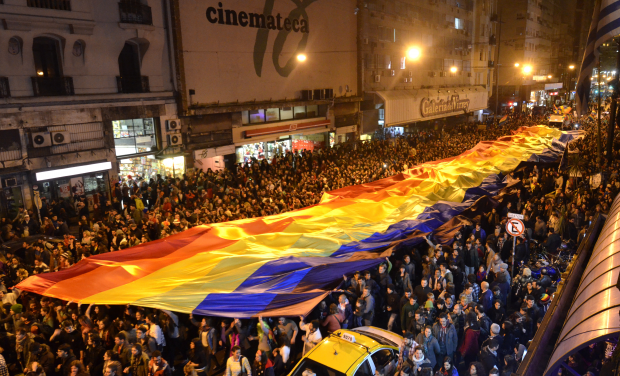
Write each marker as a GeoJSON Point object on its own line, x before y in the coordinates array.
{"type": "Point", "coordinates": [357, 352]}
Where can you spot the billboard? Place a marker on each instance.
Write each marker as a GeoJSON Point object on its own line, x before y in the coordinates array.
{"type": "Point", "coordinates": [245, 51]}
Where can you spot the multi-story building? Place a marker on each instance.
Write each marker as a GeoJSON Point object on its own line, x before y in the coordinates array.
{"type": "Point", "coordinates": [426, 62]}
{"type": "Point", "coordinates": [85, 87]}
{"type": "Point", "coordinates": [539, 51]}
{"type": "Point", "coordinates": [259, 78]}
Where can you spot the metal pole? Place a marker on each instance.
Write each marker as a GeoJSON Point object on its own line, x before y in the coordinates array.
{"type": "Point", "coordinates": [611, 127]}
{"type": "Point", "coordinates": [514, 244]}
{"type": "Point", "coordinates": [598, 125]}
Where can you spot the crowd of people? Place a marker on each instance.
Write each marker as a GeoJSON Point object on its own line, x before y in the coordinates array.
{"type": "Point", "coordinates": [457, 306]}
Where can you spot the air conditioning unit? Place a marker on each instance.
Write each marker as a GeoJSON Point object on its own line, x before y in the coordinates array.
{"type": "Point", "coordinates": [392, 73]}
{"type": "Point", "coordinates": [41, 139]}
{"type": "Point", "coordinates": [307, 95]}
{"type": "Point", "coordinates": [61, 138]}
{"type": "Point", "coordinates": [319, 94]}
{"type": "Point", "coordinates": [175, 139]}
{"type": "Point", "coordinates": [173, 125]}
{"type": "Point", "coordinates": [377, 78]}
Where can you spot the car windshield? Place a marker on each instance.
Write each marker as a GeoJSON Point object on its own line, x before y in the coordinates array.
{"type": "Point", "coordinates": [377, 338]}
{"type": "Point", "coordinates": [309, 367]}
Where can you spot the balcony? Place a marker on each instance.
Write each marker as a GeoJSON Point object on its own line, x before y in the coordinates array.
{"type": "Point", "coordinates": [50, 4]}
{"type": "Point", "coordinates": [133, 84]}
{"type": "Point", "coordinates": [491, 64]}
{"type": "Point", "coordinates": [133, 12]}
{"type": "Point", "coordinates": [52, 86]}
{"type": "Point", "coordinates": [5, 90]}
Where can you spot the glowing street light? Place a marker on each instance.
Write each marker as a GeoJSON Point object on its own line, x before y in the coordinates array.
{"type": "Point", "coordinates": [301, 57]}
{"type": "Point", "coordinates": [571, 67]}
{"type": "Point", "coordinates": [549, 76]}
{"type": "Point", "coordinates": [516, 65]}
{"type": "Point", "coordinates": [414, 53]}
{"type": "Point", "coordinates": [453, 69]}
{"type": "Point", "coordinates": [527, 69]}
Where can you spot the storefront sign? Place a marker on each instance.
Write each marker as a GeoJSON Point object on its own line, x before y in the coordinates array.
{"type": "Point", "coordinates": [260, 41]}
{"type": "Point", "coordinates": [431, 107]}
{"type": "Point", "coordinates": [286, 128]}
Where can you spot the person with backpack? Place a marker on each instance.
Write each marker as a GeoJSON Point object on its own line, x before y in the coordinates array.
{"type": "Point", "coordinates": [238, 365]}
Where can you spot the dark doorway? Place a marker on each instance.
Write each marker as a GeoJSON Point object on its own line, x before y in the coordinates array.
{"type": "Point", "coordinates": [130, 80]}
{"type": "Point", "coordinates": [46, 57]}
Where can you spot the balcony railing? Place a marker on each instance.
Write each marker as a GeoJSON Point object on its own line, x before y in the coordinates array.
{"type": "Point", "coordinates": [135, 13]}
{"type": "Point", "coordinates": [51, 86]}
{"type": "Point", "coordinates": [50, 4]}
{"type": "Point", "coordinates": [5, 90]}
{"type": "Point", "coordinates": [133, 84]}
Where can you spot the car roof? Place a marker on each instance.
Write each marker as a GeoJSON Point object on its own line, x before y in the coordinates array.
{"type": "Point", "coordinates": [340, 354]}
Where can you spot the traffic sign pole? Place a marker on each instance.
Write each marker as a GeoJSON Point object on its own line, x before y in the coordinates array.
{"type": "Point", "coordinates": [514, 227]}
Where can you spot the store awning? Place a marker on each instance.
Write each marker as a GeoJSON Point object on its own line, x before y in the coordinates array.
{"type": "Point", "coordinates": [593, 316]}
{"type": "Point", "coordinates": [405, 106]}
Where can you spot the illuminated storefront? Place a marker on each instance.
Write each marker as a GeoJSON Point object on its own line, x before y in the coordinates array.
{"type": "Point", "coordinates": [149, 166]}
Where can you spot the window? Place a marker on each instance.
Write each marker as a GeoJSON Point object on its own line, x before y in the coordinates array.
{"type": "Point", "coordinates": [403, 62]}
{"type": "Point", "coordinates": [382, 358]}
{"type": "Point", "coordinates": [272, 114]}
{"type": "Point", "coordinates": [245, 117]}
{"type": "Point", "coordinates": [130, 79]}
{"type": "Point", "coordinates": [299, 112]}
{"type": "Point", "coordinates": [312, 111]}
{"type": "Point", "coordinates": [458, 23]}
{"type": "Point", "coordinates": [318, 369]}
{"type": "Point", "coordinates": [257, 116]}
{"type": "Point", "coordinates": [49, 4]}
{"type": "Point", "coordinates": [286, 113]}
{"type": "Point", "coordinates": [364, 370]}
{"type": "Point", "coordinates": [134, 136]}
{"type": "Point", "coordinates": [46, 52]}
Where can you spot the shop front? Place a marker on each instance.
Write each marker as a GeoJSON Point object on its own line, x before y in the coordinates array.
{"type": "Point", "coordinates": [401, 107]}
{"type": "Point", "coordinates": [148, 166]}
{"type": "Point", "coordinates": [90, 180]}
{"type": "Point", "coordinates": [270, 140]}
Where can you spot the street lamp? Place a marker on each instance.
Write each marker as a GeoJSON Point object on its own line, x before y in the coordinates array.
{"type": "Point", "coordinates": [414, 53]}
{"type": "Point", "coordinates": [453, 69]}
{"type": "Point", "coordinates": [549, 76]}
{"type": "Point", "coordinates": [527, 69]}
{"type": "Point", "coordinates": [301, 57]}
{"type": "Point", "coordinates": [516, 65]}
{"type": "Point", "coordinates": [571, 67]}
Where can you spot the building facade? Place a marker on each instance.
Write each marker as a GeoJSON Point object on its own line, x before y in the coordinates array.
{"type": "Point", "coordinates": [539, 51]}
{"type": "Point", "coordinates": [453, 61]}
{"type": "Point", "coordinates": [86, 87]}
{"type": "Point", "coordinates": [257, 79]}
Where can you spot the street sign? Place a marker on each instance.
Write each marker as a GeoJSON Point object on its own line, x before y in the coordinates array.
{"type": "Point", "coordinates": [515, 227]}
{"type": "Point", "coordinates": [517, 216]}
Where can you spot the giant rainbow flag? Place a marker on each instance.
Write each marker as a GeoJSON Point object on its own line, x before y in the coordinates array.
{"type": "Point", "coordinates": [285, 264]}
